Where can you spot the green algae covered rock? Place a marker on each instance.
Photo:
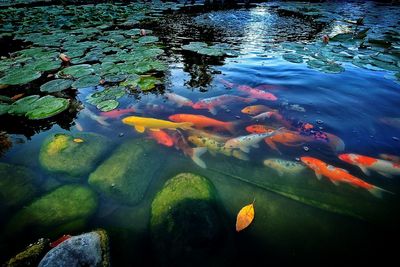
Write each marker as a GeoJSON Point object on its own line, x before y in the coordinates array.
{"type": "Point", "coordinates": [17, 185]}
{"type": "Point", "coordinates": [66, 204]}
{"type": "Point", "coordinates": [127, 173]}
{"type": "Point", "coordinates": [31, 255]}
{"type": "Point", "coordinates": [186, 226]}
{"type": "Point", "coordinates": [62, 154]}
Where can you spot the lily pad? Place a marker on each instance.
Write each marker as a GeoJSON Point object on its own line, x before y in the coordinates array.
{"type": "Point", "coordinates": [46, 65]}
{"type": "Point", "coordinates": [20, 76]}
{"type": "Point", "coordinates": [23, 105]}
{"type": "Point", "coordinates": [56, 85]}
{"type": "Point", "coordinates": [294, 58]}
{"type": "Point", "coordinates": [4, 108]}
{"type": "Point", "coordinates": [107, 105]}
{"type": "Point", "coordinates": [146, 83]}
{"type": "Point", "coordinates": [77, 71]}
{"type": "Point", "coordinates": [87, 81]}
{"type": "Point", "coordinates": [148, 39]}
{"type": "Point", "coordinates": [112, 93]}
{"type": "Point", "coordinates": [115, 78]}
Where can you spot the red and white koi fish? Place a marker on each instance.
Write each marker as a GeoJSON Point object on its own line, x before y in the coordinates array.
{"type": "Point", "coordinates": [245, 142]}
{"type": "Point", "coordinates": [116, 113]}
{"type": "Point", "coordinates": [179, 100]}
{"type": "Point", "coordinates": [338, 175]}
{"type": "Point", "coordinates": [219, 101]}
{"type": "Point", "coordinates": [393, 158]}
{"type": "Point", "coordinates": [194, 153]}
{"type": "Point", "coordinates": [383, 167]}
{"type": "Point", "coordinates": [257, 93]}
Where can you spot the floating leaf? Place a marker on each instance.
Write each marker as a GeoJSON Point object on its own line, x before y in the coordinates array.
{"type": "Point", "coordinates": [114, 78]}
{"type": "Point", "coordinates": [245, 217]}
{"type": "Point", "coordinates": [77, 71]}
{"type": "Point", "coordinates": [112, 93]}
{"type": "Point", "coordinates": [56, 85]}
{"type": "Point", "coordinates": [23, 105]}
{"type": "Point", "coordinates": [107, 105]}
{"type": "Point", "coordinates": [46, 65]}
{"type": "Point", "coordinates": [294, 58]}
{"type": "Point", "coordinates": [20, 76]}
{"type": "Point", "coordinates": [147, 39]}
{"type": "Point", "coordinates": [87, 81]}
{"type": "Point", "coordinates": [4, 108]}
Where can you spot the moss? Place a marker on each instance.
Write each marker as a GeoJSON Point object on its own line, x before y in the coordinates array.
{"type": "Point", "coordinates": [60, 154]}
{"type": "Point", "coordinates": [104, 244]}
{"type": "Point", "coordinates": [17, 184]}
{"type": "Point", "coordinates": [127, 173]}
{"type": "Point", "coordinates": [31, 255]}
{"type": "Point", "coordinates": [60, 207]}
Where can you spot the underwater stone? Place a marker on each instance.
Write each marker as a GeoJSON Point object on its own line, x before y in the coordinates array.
{"type": "Point", "coordinates": [185, 225]}
{"type": "Point", "coordinates": [66, 204]}
{"type": "Point", "coordinates": [17, 184]}
{"type": "Point", "coordinates": [31, 255]}
{"type": "Point", "coordinates": [59, 153]}
{"type": "Point", "coordinates": [127, 173]}
{"type": "Point", "coordinates": [89, 249]}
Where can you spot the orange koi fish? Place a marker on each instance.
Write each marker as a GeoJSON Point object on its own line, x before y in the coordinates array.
{"type": "Point", "coordinates": [200, 121]}
{"type": "Point", "coordinates": [193, 153]}
{"type": "Point", "coordinates": [256, 109]}
{"type": "Point", "coordinates": [338, 175]}
{"type": "Point", "coordinates": [18, 96]}
{"type": "Point", "coordinates": [162, 138]}
{"type": "Point", "coordinates": [219, 101]}
{"type": "Point", "coordinates": [59, 241]}
{"type": "Point", "coordinates": [256, 93]}
{"type": "Point", "coordinates": [116, 113]}
{"type": "Point", "coordinates": [383, 167]}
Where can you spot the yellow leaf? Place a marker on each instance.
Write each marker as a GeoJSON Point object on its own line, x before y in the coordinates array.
{"type": "Point", "coordinates": [245, 217]}
{"type": "Point", "coordinates": [78, 140]}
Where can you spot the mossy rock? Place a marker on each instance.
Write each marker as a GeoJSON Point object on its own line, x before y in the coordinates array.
{"type": "Point", "coordinates": [66, 204]}
{"type": "Point", "coordinates": [186, 226]}
{"type": "Point", "coordinates": [18, 185]}
{"type": "Point", "coordinates": [61, 154]}
{"type": "Point", "coordinates": [31, 255]}
{"type": "Point", "coordinates": [88, 249]}
{"type": "Point", "coordinates": [128, 172]}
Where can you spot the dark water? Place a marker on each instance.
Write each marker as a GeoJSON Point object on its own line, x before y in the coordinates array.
{"type": "Point", "coordinates": [298, 218]}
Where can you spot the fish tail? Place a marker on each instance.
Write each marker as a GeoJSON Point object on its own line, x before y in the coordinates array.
{"type": "Point", "coordinates": [378, 192]}
{"type": "Point", "coordinates": [197, 152]}
{"type": "Point", "coordinates": [230, 127]}
{"type": "Point", "coordinates": [240, 155]}
{"type": "Point", "coordinates": [102, 121]}
{"type": "Point", "coordinates": [336, 143]}
{"type": "Point", "coordinates": [186, 125]}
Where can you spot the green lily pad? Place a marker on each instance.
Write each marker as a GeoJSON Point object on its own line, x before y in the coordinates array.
{"type": "Point", "coordinates": [194, 46]}
{"type": "Point", "coordinates": [87, 81]}
{"type": "Point", "coordinates": [46, 65]}
{"type": "Point", "coordinates": [115, 78]}
{"type": "Point", "coordinates": [20, 77]}
{"type": "Point", "coordinates": [146, 83]}
{"type": "Point", "coordinates": [4, 108]}
{"type": "Point", "coordinates": [323, 66]}
{"type": "Point", "coordinates": [107, 105]}
{"type": "Point", "coordinates": [112, 93]}
{"type": "Point", "coordinates": [47, 106]}
{"type": "Point", "coordinates": [23, 105]}
{"type": "Point", "coordinates": [203, 49]}
{"type": "Point", "coordinates": [56, 85]}
{"type": "Point", "coordinates": [77, 71]}
{"type": "Point", "coordinates": [294, 58]}
{"type": "Point", "coordinates": [148, 39]}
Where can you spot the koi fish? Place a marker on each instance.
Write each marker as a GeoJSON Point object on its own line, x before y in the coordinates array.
{"type": "Point", "coordinates": [282, 166]}
{"type": "Point", "coordinates": [217, 137]}
{"type": "Point", "coordinates": [393, 158]}
{"type": "Point", "coordinates": [18, 96]}
{"type": "Point", "coordinates": [116, 113]}
{"type": "Point", "coordinates": [79, 126]}
{"type": "Point", "coordinates": [227, 84]}
{"type": "Point", "coordinates": [101, 120]}
{"type": "Point", "coordinates": [200, 121]}
{"type": "Point", "coordinates": [141, 123]}
{"type": "Point", "coordinates": [269, 87]}
{"type": "Point", "coordinates": [59, 241]}
{"type": "Point", "coordinates": [245, 142]}
{"type": "Point", "coordinates": [257, 93]}
{"type": "Point", "coordinates": [338, 175]}
{"type": "Point", "coordinates": [162, 138]}
{"type": "Point", "coordinates": [256, 109]}
{"type": "Point", "coordinates": [219, 101]}
{"type": "Point", "coordinates": [179, 100]}
{"type": "Point", "coordinates": [193, 153]}
{"type": "Point", "coordinates": [64, 57]}
{"type": "Point", "coordinates": [214, 147]}
{"type": "Point", "coordinates": [383, 167]}
{"type": "Point", "coordinates": [262, 116]}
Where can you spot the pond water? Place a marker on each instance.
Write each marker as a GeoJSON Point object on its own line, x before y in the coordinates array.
{"type": "Point", "coordinates": [85, 158]}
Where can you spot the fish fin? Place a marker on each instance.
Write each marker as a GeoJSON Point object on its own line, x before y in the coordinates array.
{"type": "Point", "coordinates": [387, 175]}
{"type": "Point", "coordinates": [186, 125]}
{"type": "Point", "coordinates": [240, 155]}
{"type": "Point", "coordinates": [272, 145]}
{"type": "Point", "coordinates": [255, 145]}
{"type": "Point", "coordinates": [230, 127]}
{"type": "Point", "coordinates": [294, 144]}
{"type": "Point", "coordinates": [102, 121]}
{"type": "Point", "coordinates": [154, 129]}
{"type": "Point", "coordinates": [197, 152]}
{"type": "Point", "coordinates": [334, 182]}
{"type": "Point", "coordinates": [140, 128]}
{"type": "Point", "coordinates": [378, 192]}
{"type": "Point", "coordinates": [344, 170]}
{"type": "Point", "coordinates": [319, 176]}
{"type": "Point", "coordinates": [245, 149]}
{"type": "Point", "coordinates": [364, 169]}
{"type": "Point", "coordinates": [213, 111]}
{"type": "Point", "coordinates": [336, 143]}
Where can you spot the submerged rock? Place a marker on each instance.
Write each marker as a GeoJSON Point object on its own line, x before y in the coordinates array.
{"type": "Point", "coordinates": [65, 208]}
{"type": "Point", "coordinates": [62, 154]}
{"type": "Point", "coordinates": [185, 224]}
{"type": "Point", "coordinates": [89, 249]}
{"type": "Point", "coordinates": [31, 255]}
{"type": "Point", "coordinates": [126, 175]}
{"type": "Point", "coordinates": [17, 185]}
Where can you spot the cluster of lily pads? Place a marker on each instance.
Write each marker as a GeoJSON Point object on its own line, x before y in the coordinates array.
{"type": "Point", "coordinates": [210, 50]}
{"type": "Point", "coordinates": [102, 47]}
